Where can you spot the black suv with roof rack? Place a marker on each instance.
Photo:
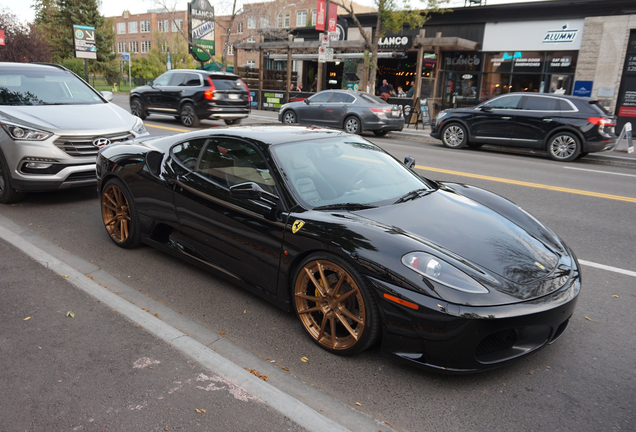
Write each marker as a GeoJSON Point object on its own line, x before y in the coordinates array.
{"type": "Point", "coordinates": [191, 95]}
{"type": "Point", "coordinates": [567, 127]}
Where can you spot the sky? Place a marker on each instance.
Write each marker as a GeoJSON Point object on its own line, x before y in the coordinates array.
{"type": "Point", "coordinates": [22, 8]}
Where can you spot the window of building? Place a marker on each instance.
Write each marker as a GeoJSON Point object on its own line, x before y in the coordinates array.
{"type": "Point", "coordinates": [145, 46]}
{"type": "Point", "coordinates": [251, 63]}
{"type": "Point", "coordinates": [313, 17]}
{"type": "Point", "coordinates": [165, 47]}
{"type": "Point", "coordinates": [121, 28]}
{"type": "Point", "coordinates": [132, 27]}
{"type": "Point", "coordinates": [279, 20]}
{"type": "Point", "coordinates": [264, 22]}
{"type": "Point", "coordinates": [230, 50]}
{"type": "Point", "coordinates": [121, 47]}
{"type": "Point", "coordinates": [239, 27]}
{"type": "Point", "coordinates": [251, 22]}
{"type": "Point", "coordinates": [133, 47]}
{"type": "Point", "coordinates": [301, 19]}
{"type": "Point", "coordinates": [177, 25]}
{"type": "Point", "coordinates": [163, 26]}
{"type": "Point", "coordinates": [287, 20]}
{"type": "Point", "coordinates": [251, 40]}
{"type": "Point", "coordinates": [144, 26]}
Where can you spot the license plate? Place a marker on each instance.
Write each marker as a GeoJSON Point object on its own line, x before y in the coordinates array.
{"type": "Point", "coordinates": [234, 96]}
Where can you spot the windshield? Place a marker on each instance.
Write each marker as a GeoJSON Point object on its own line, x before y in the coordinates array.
{"type": "Point", "coordinates": [45, 86]}
{"type": "Point", "coordinates": [345, 170]}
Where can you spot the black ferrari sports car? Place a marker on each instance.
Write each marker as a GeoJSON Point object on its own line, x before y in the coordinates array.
{"type": "Point", "coordinates": [355, 242]}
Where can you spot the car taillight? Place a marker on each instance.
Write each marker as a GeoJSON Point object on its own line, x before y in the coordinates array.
{"type": "Point", "coordinates": [601, 121]}
{"type": "Point", "coordinates": [380, 111]}
{"type": "Point", "coordinates": [209, 93]}
{"type": "Point", "coordinates": [249, 97]}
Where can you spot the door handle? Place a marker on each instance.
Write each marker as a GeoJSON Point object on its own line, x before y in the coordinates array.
{"type": "Point", "coordinates": [548, 120]}
{"type": "Point", "coordinates": [506, 118]}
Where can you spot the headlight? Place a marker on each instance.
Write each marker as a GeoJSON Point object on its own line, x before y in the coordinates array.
{"type": "Point", "coordinates": [441, 115]}
{"type": "Point", "coordinates": [140, 128]}
{"type": "Point", "coordinates": [442, 272]}
{"type": "Point", "coordinates": [21, 133]}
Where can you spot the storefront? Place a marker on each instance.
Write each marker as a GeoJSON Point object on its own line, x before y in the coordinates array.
{"type": "Point", "coordinates": [528, 56]}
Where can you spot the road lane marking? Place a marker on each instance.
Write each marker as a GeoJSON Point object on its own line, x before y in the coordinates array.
{"type": "Point", "coordinates": [608, 268]}
{"type": "Point", "coordinates": [169, 128]}
{"type": "Point", "coordinates": [528, 184]}
{"type": "Point", "coordinates": [602, 172]}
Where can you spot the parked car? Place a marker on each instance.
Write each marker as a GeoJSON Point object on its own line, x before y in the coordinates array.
{"type": "Point", "coordinates": [53, 123]}
{"type": "Point", "coordinates": [358, 245]}
{"type": "Point", "coordinates": [352, 111]}
{"type": "Point", "coordinates": [191, 95]}
{"type": "Point", "coordinates": [566, 127]}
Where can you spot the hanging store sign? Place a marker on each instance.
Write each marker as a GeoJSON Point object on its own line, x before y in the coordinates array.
{"type": "Point", "coordinates": [321, 13]}
{"type": "Point", "coordinates": [533, 35]}
{"type": "Point", "coordinates": [333, 17]}
{"type": "Point", "coordinates": [201, 29]}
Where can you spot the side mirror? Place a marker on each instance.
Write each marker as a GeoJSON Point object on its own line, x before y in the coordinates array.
{"type": "Point", "coordinates": [107, 95]}
{"type": "Point", "coordinates": [409, 162]}
{"type": "Point", "coordinates": [485, 108]}
{"type": "Point", "coordinates": [151, 83]}
{"type": "Point", "coordinates": [306, 101]}
{"type": "Point", "coordinates": [253, 191]}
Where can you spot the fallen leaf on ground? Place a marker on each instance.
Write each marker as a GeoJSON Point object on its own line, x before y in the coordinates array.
{"type": "Point", "coordinates": [222, 333]}
{"type": "Point", "coordinates": [199, 411]}
{"type": "Point", "coordinates": [358, 403]}
{"type": "Point", "coordinates": [245, 311]}
{"type": "Point", "coordinates": [70, 314]}
{"type": "Point", "coordinates": [156, 315]}
{"type": "Point", "coordinates": [26, 319]}
{"type": "Point", "coordinates": [286, 369]}
{"type": "Point", "coordinates": [258, 374]}
{"type": "Point", "coordinates": [615, 296]}
{"type": "Point", "coordinates": [304, 359]}
{"type": "Point", "coordinates": [64, 275]}
{"type": "Point", "coordinates": [590, 319]}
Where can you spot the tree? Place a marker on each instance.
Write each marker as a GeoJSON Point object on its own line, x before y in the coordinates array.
{"type": "Point", "coordinates": [23, 42]}
{"type": "Point", "coordinates": [393, 15]}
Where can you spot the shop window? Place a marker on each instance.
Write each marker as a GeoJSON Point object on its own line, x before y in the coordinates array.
{"type": "Point", "coordinates": [561, 61]}
{"type": "Point", "coordinates": [493, 85]}
{"type": "Point", "coordinates": [528, 62]}
{"type": "Point", "coordinates": [463, 62]}
{"type": "Point", "coordinates": [500, 62]}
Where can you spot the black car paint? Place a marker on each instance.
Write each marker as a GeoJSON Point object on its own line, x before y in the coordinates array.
{"type": "Point", "coordinates": [448, 324]}
{"type": "Point", "coordinates": [528, 129]}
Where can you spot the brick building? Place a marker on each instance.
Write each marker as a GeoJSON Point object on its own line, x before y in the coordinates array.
{"type": "Point", "coordinates": [137, 33]}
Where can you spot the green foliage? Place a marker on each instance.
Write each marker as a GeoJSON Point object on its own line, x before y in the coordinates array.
{"type": "Point", "coordinates": [74, 64]}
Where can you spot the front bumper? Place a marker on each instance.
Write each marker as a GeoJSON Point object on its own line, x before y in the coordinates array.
{"type": "Point", "coordinates": [447, 337]}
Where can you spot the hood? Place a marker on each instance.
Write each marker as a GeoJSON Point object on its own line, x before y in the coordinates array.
{"type": "Point", "coordinates": [476, 233]}
{"type": "Point", "coordinates": [100, 118]}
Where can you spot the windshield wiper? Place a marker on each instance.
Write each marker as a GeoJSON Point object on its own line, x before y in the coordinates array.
{"type": "Point", "coordinates": [345, 206]}
{"type": "Point", "coordinates": [417, 193]}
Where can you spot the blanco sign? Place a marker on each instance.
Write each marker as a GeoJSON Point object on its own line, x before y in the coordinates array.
{"type": "Point", "coordinates": [548, 35]}
{"type": "Point", "coordinates": [394, 42]}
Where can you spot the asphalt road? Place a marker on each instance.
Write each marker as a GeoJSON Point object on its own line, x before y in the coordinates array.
{"type": "Point", "coordinates": [586, 381]}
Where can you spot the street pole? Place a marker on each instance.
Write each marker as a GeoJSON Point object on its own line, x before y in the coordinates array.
{"type": "Point", "coordinates": [86, 69]}
{"type": "Point", "coordinates": [323, 76]}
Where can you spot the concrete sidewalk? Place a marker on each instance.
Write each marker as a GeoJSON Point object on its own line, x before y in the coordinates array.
{"type": "Point", "coordinates": [422, 133]}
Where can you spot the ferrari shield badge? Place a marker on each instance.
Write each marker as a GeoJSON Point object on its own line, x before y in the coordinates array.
{"type": "Point", "coordinates": [297, 226]}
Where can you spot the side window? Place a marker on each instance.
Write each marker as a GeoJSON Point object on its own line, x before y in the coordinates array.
{"type": "Point", "coordinates": [506, 102]}
{"type": "Point", "coordinates": [162, 81]}
{"type": "Point", "coordinates": [321, 97]}
{"type": "Point", "coordinates": [188, 152]}
{"type": "Point", "coordinates": [340, 97]}
{"type": "Point", "coordinates": [539, 103]}
{"type": "Point", "coordinates": [230, 162]}
{"type": "Point", "coordinates": [191, 80]}
{"type": "Point", "coordinates": [565, 106]}
{"type": "Point", "coordinates": [177, 79]}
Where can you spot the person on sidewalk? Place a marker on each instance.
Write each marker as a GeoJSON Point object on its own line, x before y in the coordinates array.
{"type": "Point", "coordinates": [411, 91]}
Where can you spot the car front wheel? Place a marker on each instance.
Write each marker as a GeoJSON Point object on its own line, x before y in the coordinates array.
{"type": "Point", "coordinates": [8, 195]}
{"type": "Point", "coordinates": [454, 136]}
{"type": "Point", "coordinates": [352, 125]}
{"type": "Point", "coordinates": [335, 306]}
{"type": "Point", "coordinates": [189, 115]}
{"type": "Point", "coordinates": [119, 214]}
{"type": "Point", "coordinates": [137, 108]}
{"type": "Point", "coordinates": [289, 117]}
{"type": "Point", "coordinates": [564, 147]}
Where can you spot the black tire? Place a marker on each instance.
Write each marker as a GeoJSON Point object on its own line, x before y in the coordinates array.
{"type": "Point", "coordinates": [289, 117]}
{"type": "Point", "coordinates": [564, 147]}
{"type": "Point", "coordinates": [380, 133]}
{"type": "Point", "coordinates": [119, 214]}
{"type": "Point", "coordinates": [582, 155]}
{"type": "Point", "coordinates": [473, 145]}
{"type": "Point", "coordinates": [137, 108]}
{"type": "Point", "coordinates": [8, 195]}
{"type": "Point", "coordinates": [188, 115]}
{"type": "Point", "coordinates": [454, 136]}
{"type": "Point", "coordinates": [324, 287]}
{"type": "Point", "coordinates": [352, 125]}
{"type": "Point", "coordinates": [232, 122]}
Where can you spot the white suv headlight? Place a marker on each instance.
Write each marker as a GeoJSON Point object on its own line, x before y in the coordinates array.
{"type": "Point", "coordinates": [139, 128]}
{"type": "Point", "coordinates": [22, 133]}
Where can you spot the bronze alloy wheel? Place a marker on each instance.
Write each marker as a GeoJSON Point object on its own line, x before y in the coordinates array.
{"type": "Point", "coordinates": [330, 305]}
{"type": "Point", "coordinates": [116, 213]}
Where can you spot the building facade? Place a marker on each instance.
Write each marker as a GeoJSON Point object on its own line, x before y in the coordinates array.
{"type": "Point", "coordinates": [137, 34]}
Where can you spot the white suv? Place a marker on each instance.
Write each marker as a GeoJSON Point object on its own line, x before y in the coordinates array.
{"type": "Point", "coordinates": [53, 124]}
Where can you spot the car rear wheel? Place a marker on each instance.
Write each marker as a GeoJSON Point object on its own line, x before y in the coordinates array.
{"type": "Point", "coordinates": [564, 147]}
{"type": "Point", "coordinates": [335, 306]}
{"type": "Point", "coordinates": [189, 115]}
{"type": "Point", "coordinates": [352, 125]}
{"type": "Point", "coordinates": [380, 133]}
{"type": "Point", "coordinates": [289, 117]}
{"type": "Point", "coordinates": [8, 195]}
{"type": "Point", "coordinates": [119, 214]}
{"type": "Point", "coordinates": [473, 145]}
{"type": "Point", "coordinates": [454, 136]}
{"type": "Point", "coordinates": [137, 108]}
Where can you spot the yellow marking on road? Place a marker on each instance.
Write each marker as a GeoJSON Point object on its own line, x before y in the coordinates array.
{"type": "Point", "coordinates": [528, 184]}
{"type": "Point", "coordinates": [168, 128]}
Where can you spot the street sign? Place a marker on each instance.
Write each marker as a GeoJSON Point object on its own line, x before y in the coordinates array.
{"type": "Point", "coordinates": [322, 54]}
{"type": "Point", "coordinates": [125, 57]}
{"type": "Point", "coordinates": [124, 53]}
{"type": "Point", "coordinates": [329, 54]}
{"type": "Point", "coordinates": [84, 42]}
{"type": "Point", "coordinates": [324, 41]}
{"type": "Point", "coordinates": [201, 29]}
